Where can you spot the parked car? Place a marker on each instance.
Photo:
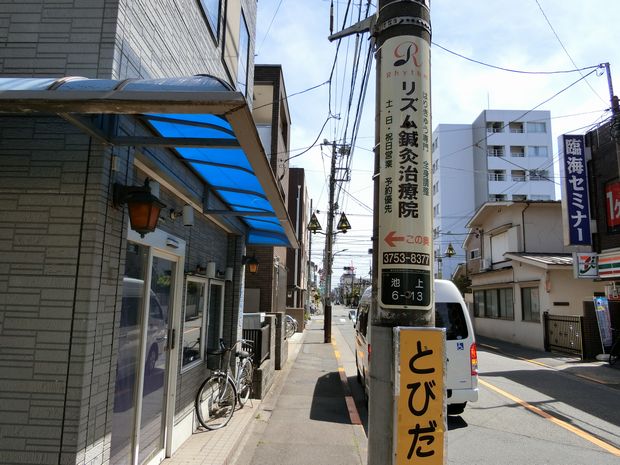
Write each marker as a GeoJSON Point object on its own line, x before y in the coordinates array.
{"type": "Point", "coordinates": [462, 359]}
{"type": "Point", "coordinates": [130, 330]}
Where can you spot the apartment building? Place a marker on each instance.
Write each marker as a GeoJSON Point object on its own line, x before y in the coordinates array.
{"type": "Point", "coordinates": [504, 155]}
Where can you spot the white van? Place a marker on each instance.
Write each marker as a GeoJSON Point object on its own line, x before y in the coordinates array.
{"type": "Point", "coordinates": [462, 364]}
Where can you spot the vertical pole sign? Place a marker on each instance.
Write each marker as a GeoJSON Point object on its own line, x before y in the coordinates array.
{"type": "Point", "coordinates": [420, 421]}
{"type": "Point", "coordinates": [402, 229]}
{"type": "Point", "coordinates": [405, 206]}
{"type": "Point", "coordinates": [575, 203]}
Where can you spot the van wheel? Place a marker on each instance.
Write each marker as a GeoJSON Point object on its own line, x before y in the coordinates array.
{"type": "Point", "coordinates": [357, 368]}
{"type": "Point", "coordinates": [456, 409]}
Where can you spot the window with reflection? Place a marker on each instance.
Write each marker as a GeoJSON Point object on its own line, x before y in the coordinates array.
{"type": "Point", "coordinates": [194, 320]}
{"type": "Point", "coordinates": [211, 10]}
{"type": "Point", "coordinates": [244, 57]}
{"type": "Point", "coordinates": [215, 318]}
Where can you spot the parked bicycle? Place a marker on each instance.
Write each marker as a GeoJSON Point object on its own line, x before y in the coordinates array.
{"type": "Point", "coordinates": [220, 393]}
{"type": "Point", "coordinates": [290, 326]}
{"type": "Point", "coordinates": [614, 352]}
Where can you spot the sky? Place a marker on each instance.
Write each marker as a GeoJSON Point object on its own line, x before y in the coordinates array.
{"type": "Point", "coordinates": [526, 35]}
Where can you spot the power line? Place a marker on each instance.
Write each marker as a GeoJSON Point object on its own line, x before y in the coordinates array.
{"type": "Point", "coordinates": [486, 137]}
{"type": "Point", "coordinates": [313, 143]}
{"type": "Point", "coordinates": [565, 50]}
{"type": "Point", "coordinates": [513, 70]}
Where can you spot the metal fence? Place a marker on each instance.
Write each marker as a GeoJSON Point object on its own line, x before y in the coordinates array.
{"type": "Point", "coordinates": [261, 338]}
{"type": "Point", "coordinates": [564, 333]}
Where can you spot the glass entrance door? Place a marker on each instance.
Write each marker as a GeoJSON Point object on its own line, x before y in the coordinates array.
{"type": "Point", "coordinates": [152, 425]}
{"type": "Point", "coordinates": [138, 422]}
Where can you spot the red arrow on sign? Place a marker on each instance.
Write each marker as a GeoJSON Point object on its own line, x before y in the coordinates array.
{"type": "Point", "coordinates": [391, 238]}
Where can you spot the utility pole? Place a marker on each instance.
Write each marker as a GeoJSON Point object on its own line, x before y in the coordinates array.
{"type": "Point", "coordinates": [615, 115]}
{"type": "Point", "coordinates": [403, 286]}
{"type": "Point", "coordinates": [329, 242]}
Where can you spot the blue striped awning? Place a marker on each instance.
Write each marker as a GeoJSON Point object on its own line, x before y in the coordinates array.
{"type": "Point", "coordinates": [208, 124]}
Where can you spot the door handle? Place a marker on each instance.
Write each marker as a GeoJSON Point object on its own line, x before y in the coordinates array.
{"type": "Point", "coordinates": [172, 339]}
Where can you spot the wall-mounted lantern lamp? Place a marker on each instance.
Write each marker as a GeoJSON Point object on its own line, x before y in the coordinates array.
{"type": "Point", "coordinates": [142, 205]}
{"type": "Point", "coordinates": [187, 214]}
{"type": "Point", "coordinates": [251, 263]}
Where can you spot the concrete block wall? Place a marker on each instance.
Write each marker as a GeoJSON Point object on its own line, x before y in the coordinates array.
{"type": "Point", "coordinates": [280, 354]}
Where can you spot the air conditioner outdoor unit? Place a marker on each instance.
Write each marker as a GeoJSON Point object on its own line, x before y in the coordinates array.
{"type": "Point", "coordinates": [485, 264]}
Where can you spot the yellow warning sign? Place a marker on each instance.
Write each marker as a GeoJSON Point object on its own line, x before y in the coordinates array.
{"type": "Point", "coordinates": [420, 396]}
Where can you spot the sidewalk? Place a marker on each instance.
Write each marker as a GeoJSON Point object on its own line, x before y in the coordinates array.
{"type": "Point", "coordinates": [595, 371]}
{"type": "Point", "coordinates": [218, 447]}
{"type": "Point", "coordinates": [305, 419]}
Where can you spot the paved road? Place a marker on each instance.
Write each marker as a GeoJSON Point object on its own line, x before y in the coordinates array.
{"type": "Point", "coordinates": [527, 414]}
{"type": "Point", "coordinates": [580, 422]}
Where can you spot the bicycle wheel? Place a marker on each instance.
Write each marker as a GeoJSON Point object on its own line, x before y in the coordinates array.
{"type": "Point", "coordinates": [216, 401]}
{"type": "Point", "coordinates": [244, 381]}
{"type": "Point", "coordinates": [290, 325]}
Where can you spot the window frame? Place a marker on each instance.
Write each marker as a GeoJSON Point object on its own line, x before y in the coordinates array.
{"type": "Point", "coordinates": [534, 151]}
{"type": "Point", "coordinates": [523, 304]}
{"type": "Point", "coordinates": [206, 6]}
{"type": "Point", "coordinates": [503, 308]}
{"type": "Point", "coordinates": [204, 282]}
{"type": "Point", "coordinates": [243, 27]}
{"type": "Point", "coordinates": [220, 310]}
{"type": "Point", "coordinates": [533, 127]}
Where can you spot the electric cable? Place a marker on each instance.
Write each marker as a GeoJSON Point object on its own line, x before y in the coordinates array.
{"type": "Point", "coordinates": [565, 50]}
{"type": "Point", "coordinates": [269, 27]}
{"type": "Point", "coordinates": [501, 68]}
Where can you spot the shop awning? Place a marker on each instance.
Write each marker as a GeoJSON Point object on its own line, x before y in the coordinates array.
{"type": "Point", "coordinates": [207, 123]}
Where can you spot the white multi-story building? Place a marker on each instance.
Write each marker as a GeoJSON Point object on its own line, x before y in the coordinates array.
{"type": "Point", "coordinates": [504, 155]}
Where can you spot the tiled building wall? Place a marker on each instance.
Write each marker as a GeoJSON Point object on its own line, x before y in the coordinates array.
{"type": "Point", "coordinates": [57, 38]}
{"type": "Point", "coordinates": [57, 292]}
{"type": "Point", "coordinates": [62, 243]}
{"type": "Point", "coordinates": [262, 280]}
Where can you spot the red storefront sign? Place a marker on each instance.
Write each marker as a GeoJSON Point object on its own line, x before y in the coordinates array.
{"type": "Point", "coordinates": [612, 204]}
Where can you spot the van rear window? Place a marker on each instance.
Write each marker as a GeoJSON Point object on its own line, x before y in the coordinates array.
{"type": "Point", "coordinates": [449, 315]}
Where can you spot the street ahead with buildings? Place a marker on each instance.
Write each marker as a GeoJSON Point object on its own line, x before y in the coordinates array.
{"type": "Point", "coordinates": [150, 213]}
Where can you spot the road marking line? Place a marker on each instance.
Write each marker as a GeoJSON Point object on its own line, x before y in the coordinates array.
{"type": "Point", "coordinates": [354, 415]}
{"type": "Point", "coordinates": [573, 429]}
{"type": "Point", "coordinates": [542, 364]}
